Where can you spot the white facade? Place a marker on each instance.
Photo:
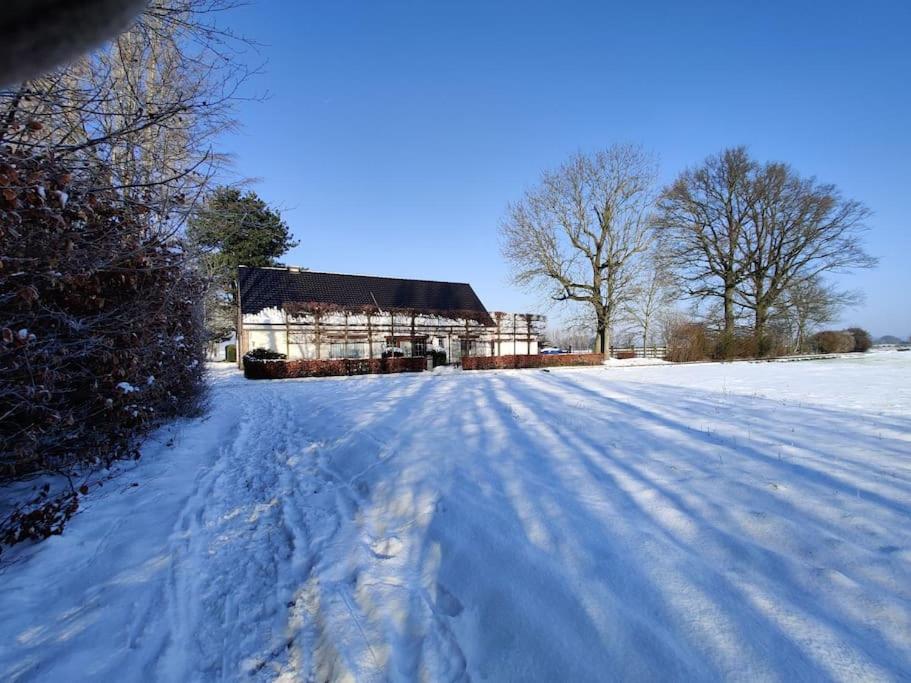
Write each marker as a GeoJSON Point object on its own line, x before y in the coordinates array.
{"type": "Point", "coordinates": [216, 351]}
{"type": "Point", "coordinates": [345, 334]}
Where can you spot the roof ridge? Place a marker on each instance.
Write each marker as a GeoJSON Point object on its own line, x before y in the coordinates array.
{"type": "Point", "coordinates": [302, 270]}
{"type": "Point", "coordinates": [273, 286]}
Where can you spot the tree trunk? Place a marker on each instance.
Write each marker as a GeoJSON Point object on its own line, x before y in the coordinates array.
{"type": "Point", "coordinates": [729, 311]}
{"type": "Point", "coordinates": [727, 339]}
{"type": "Point", "coordinates": [602, 341]}
{"type": "Point", "coordinates": [759, 326]}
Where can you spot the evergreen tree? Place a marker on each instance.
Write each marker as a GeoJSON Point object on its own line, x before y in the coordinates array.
{"type": "Point", "coordinates": [231, 230]}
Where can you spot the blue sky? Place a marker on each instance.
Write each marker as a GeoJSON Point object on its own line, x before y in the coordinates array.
{"type": "Point", "coordinates": [395, 133]}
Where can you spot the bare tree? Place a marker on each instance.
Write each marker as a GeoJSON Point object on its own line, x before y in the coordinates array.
{"type": "Point", "coordinates": [799, 230]}
{"type": "Point", "coordinates": [701, 221]}
{"type": "Point", "coordinates": [652, 295]}
{"type": "Point", "coordinates": [742, 233]}
{"type": "Point", "coordinates": [810, 303]}
{"type": "Point", "coordinates": [580, 233]}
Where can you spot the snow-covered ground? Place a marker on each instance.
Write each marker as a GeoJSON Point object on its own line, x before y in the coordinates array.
{"type": "Point", "coordinates": [747, 521]}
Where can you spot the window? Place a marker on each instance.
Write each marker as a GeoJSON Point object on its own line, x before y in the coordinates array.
{"type": "Point", "coordinates": [354, 350]}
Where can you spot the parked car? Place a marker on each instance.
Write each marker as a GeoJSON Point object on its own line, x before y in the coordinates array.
{"type": "Point", "coordinates": [552, 350]}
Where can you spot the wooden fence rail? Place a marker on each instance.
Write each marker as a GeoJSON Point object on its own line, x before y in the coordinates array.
{"type": "Point", "coordinates": [638, 351]}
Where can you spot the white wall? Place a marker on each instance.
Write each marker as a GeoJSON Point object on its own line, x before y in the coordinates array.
{"type": "Point", "coordinates": [267, 329]}
{"type": "Point", "coordinates": [216, 352]}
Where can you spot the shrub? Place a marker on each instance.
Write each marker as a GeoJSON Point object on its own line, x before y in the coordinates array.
{"type": "Point", "coordinates": [263, 354]}
{"type": "Point", "coordinates": [530, 361]}
{"type": "Point", "coordinates": [286, 369]}
{"type": "Point", "coordinates": [862, 339]}
{"type": "Point", "coordinates": [689, 342]}
{"type": "Point", "coordinates": [101, 335]}
{"type": "Point", "coordinates": [832, 341]}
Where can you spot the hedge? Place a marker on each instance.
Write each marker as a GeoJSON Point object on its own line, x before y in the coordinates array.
{"type": "Point", "coordinates": [101, 335]}
{"type": "Point", "coordinates": [101, 332]}
{"type": "Point", "coordinates": [834, 341]}
{"type": "Point", "coordinates": [285, 369]}
{"type": "Point", "coordinates": [530, 361]}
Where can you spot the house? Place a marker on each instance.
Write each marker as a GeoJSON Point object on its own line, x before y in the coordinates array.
{"type": "Point", "coordinates": [218, 350]}
{"type": "Point", "coordinates": [310, 315]}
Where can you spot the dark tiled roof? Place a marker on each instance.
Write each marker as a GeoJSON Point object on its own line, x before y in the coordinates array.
{"type": "Point", "coordinates": [274, 287]}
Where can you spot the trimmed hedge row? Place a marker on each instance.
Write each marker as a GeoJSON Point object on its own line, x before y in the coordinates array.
{"type": "Point", "coordinates": [534, 361]}
{"type": "Point", "coordinates": [101, 335]}
{"type": "Point", "coordinates": [284, 369]}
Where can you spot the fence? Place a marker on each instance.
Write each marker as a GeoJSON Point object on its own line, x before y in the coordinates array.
{"type": "Point", "coordinates": [638, 352]}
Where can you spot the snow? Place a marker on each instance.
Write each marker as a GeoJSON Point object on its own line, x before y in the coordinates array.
{"type": "Point", "coordinates": [743, 521]}
{"type": "Point", "coordinates": [126, 387]}
{"type": "Point", "coordinates": [632, 362]}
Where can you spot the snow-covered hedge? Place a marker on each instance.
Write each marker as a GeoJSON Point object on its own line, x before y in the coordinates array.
{"type": "Point", "coordinates": [283, 369]}
{"type": "Point", "coordinates": [530, 361]}
{"type": "Point", "coordinates": [100, 327]}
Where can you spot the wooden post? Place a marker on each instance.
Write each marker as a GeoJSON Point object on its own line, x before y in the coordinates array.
{"type": "Point", "coordinates": [369, 336]}
{"type": "Point", "coordinates": [412, 334]}
{"type": "Point", "coordinates": [515, 341]}
{"type": "Point", "coordinates": [499, 317]}
{"type": "Point", "coordinates": [346, 334]}
{"type": "Point", "coordinates": [240, 326]}
{"type": "Point", "coordinates": [316, 321]}
{"type": "Point", "coordinates": [528, 332]}
{"type": "Point", "coordinates": [287, 335]}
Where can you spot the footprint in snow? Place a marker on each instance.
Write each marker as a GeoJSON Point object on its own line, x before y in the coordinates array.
{"type": "Point", "coordinates": [447, 603]}
{"type": "Point", "coordinates": [386, 548]}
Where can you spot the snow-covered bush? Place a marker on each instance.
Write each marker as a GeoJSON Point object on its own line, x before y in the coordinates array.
{"type": "Point", "coordinates": [264, 354]}
{"type": "Point", "coordinates": [100, 327]}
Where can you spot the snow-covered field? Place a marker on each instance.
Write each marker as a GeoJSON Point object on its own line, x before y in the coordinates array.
{"type": "Point", "coordinates": [740, 522]}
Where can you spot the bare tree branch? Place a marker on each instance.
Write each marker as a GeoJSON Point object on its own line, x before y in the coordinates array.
{"type": "Point", "coordinates": [580, 234]}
